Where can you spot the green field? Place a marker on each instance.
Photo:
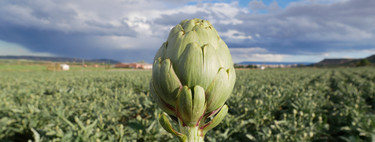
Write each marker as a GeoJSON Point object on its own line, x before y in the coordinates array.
{"type": "Point", "coordinates": [307, 104]}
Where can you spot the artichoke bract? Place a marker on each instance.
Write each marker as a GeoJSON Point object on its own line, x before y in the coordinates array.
{"type": "Point", "coordinates": [192, 77]}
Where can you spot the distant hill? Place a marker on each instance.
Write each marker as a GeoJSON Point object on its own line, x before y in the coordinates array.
{"type": "Point", "coordinates": [344, 61]}
{"type": "Point", "coordinates": [60, 59]}
{"type": "Point", "coordinates": [371, 58]}
{"type": "Point", "coordinates": [334, 62]}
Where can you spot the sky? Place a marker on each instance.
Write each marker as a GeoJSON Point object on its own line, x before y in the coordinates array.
{"type": "Point", "coordinates": [133, 30]}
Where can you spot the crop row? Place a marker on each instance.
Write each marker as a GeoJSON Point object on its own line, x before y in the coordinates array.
{"type": "Point", "coordinates": [266, 105]}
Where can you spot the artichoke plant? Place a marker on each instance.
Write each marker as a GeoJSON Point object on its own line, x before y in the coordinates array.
{"type": "Point", "coordinates": [192, 77]}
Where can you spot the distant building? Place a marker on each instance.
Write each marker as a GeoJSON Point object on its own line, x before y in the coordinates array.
{"type": "Point", "coordinates": [275, 66]}
{"type": "Point", "coordinates": [64, 67]}
{"type": "Point", "coordinates": [133, 66]}
{"type": "Point", "coordinates": [147, 66]}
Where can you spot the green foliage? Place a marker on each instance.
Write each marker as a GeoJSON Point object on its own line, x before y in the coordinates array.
{"type": "Point", "coordinates": [363, 62]}
{"type": "Point", "coordinates": [78, 106]}
{"type": "Point", "coordinates": [245, 66]}
{"type": "Point", "coordinates": [266, 105]}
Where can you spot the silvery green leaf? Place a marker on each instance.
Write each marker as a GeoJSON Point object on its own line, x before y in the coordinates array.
{"type": "Point", "coordinates": [164, 106]}
{"type": "Point", "coordinates": [185, 105]}
{"type": "Point", "coordinates": [216, 120]}
{"type": "Point", "coordinates": [220, 89]}
{"type": "Point", "coordinates": [164, 122]}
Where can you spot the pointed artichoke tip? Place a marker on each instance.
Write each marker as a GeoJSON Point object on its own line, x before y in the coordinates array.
{"type": "Point", "coordinates": [159, 60]}
{"type": "Point", "coordinates": [167, 60]}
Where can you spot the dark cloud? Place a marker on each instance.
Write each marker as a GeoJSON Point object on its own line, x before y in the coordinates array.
{"type": "Point", "coordinates": [134, 30]}
{"type": "Point", "coordinates": [66, 32]}
{"type": "Point", "coordinates": [298, 29]}
{"type": "Point", "coordinates": [314, 28]}
{"type": "Point", "coordinates": [71, 45]}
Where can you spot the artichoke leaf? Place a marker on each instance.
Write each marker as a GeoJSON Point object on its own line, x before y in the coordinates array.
{"type": "Point", "coordinates": [220, 89]}
{"type": "Point", "coordinates": [165, 123]}
{"type": "Point", "coordinates": [216, 120]}
{"type": "Point", "coordinates": [169, 82]}
{"type": "Point", "coordinates": [185, 105]}
{"type": "Point", "coordinates": [199, 104]}
{"type": "Point", "coordinates": [190, 66]}
{"type": "Point", "coordinates": [189, 25]}
{"type": "Point", "coordinates": [203, 34]}
{"type": "Point", "coordinates": [161, 51]}
{"type": "Point", "coordinates": [210, 65]}
{"type": "Point", "coordinates": [175, 30]}
{"type": "Point", "coordinates": [164, 106]}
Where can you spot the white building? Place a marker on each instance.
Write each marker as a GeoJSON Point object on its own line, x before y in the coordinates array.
{"type": "Point", "coordinates": [64, 67]}
{"type": "Point", "coordinates": [147, 66]}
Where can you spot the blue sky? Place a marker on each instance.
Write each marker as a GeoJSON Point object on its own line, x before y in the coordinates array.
{"type": "Point", "coordinates": [133, 30]}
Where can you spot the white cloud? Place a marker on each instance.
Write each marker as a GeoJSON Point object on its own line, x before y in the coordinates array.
{"type": "Point", "coordinates": [224, 10]}
{"type": "Point", "coordinates": [139, 24]}
{"type": "Point", "coordinates": [258, 57]}
{"type": "Point", "coordinates": [257, 5]}
{"type": "Point", "coordinates": [336, 54]}
{"type": "Point", "coordinates": [254, 54]}
{"type": "Point", "coordinates": [310, 2]}
{"type": "Point", "coordinates": [248, 50]}
{"type": "Point", "coordinates": [350, 53]}
{"type": "Point", "coordinates": [274, 7]}
{"type": "Point", "coordinates": [235, 35]}
{"type": "Point", "coordinates": [262, 54]}
{"type": "Point", "coordinates": [221, 13]}
{"type": "Point", "coordinates": [231, 21]}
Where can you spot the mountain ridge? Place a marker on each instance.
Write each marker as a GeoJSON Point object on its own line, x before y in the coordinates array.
{"type": "Point", "coordinates": [344, 61]}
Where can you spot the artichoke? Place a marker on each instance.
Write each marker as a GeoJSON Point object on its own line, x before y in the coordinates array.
{"type": "Point", "coordinates": [192, 77]}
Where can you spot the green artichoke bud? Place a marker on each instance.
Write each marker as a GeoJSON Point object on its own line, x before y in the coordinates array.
{"type": "Point", "coordinates": [193, 73]}
{"type": "Point", "coordinates": [190, 108]}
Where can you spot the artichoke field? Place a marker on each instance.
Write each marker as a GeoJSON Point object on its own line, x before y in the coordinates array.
{"type": "Point", "coordinates": [293, 105]}
{"type": "Point", "coordinates": [192, 77]}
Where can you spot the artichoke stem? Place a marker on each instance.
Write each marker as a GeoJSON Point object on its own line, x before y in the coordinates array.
{"type": "Point", "coordinates": [193, 133]}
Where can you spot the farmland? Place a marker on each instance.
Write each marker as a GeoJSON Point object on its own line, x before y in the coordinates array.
{"type": "Point", "coordinates": [302, 104]}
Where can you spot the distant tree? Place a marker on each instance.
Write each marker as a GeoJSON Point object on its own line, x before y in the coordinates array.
{"type": "Point", "coordinates": [251, 66]}
{"type": "Point", "coordinates": [238, 66]}
{"type": "Point", "coordinates": [363, 62]}
{"type": "Point", "coordinates": [301, 65]}
{"type": "Point", "coordinates": [244, 66]}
